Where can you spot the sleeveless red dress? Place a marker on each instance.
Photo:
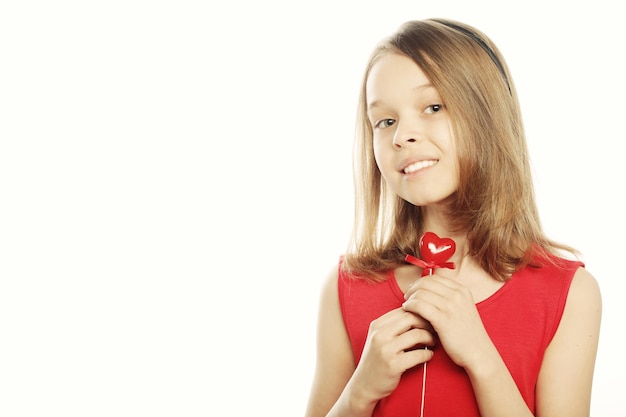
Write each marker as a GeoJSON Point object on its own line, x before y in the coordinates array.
{"type": "Point", "coordinates": [521, 318]}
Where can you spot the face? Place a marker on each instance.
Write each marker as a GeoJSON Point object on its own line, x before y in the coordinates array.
{"type": "Point", "coordinates": [413, 142]}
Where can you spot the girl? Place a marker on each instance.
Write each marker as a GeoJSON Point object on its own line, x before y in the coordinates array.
{"type": "Point", "coordinates": [513, 329]}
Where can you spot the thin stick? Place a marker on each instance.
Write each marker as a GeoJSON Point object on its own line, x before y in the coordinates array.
{"type": "Point", "coordinates": [423, 390]}
{"type": "Point", "coordinates": [424, 377]}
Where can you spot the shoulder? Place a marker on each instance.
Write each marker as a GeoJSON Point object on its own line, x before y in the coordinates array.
{"type": "Point", "coordinates": [329, 291]}
{"type": "Point", "coordinates": [549, 276]}
{"type": "Point", "coordinates": [583, 304]}
{"type": "Point", "coordinates": [549, 263]}
{"type": "Point", "coordinates": [584, 293]}
{"type": "Point", "coordinates": [341, 287]}
{"type": "Point", "coordinates": [330, 320]}
{"type": "Point", "coordinates": [546, 279]}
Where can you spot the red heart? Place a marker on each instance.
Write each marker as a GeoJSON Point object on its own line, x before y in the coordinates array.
{"type": "Point", "coordinates": [435, 249]}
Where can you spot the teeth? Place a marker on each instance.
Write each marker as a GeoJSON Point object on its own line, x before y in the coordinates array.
{"type": "Point", "coordinates": [419, 165]}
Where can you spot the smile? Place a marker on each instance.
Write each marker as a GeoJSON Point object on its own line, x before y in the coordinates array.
{"type": "Point", "coordinates": [416, 166]}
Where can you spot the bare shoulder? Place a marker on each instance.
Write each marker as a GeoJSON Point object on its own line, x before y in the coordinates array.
{"type": "Point", "coordinates": [584, 294]}
{"type": "Point", "coordinates": [584, 303]}
{"type": "Point", "coordinates": [329, 293]}
{"type": "Point", "coordinates": [332, 335]}
{"type": "Point", "coordinates": [583, 310]}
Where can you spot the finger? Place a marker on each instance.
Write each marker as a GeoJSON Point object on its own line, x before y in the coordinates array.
{"type": "Point", "coordinates": [396, 322]}
{"type": "Point", "coordinates": [426, 287]}
{"type": "Point", "coordinates": [423, 305]}
{"type": "Point", "coordinates": [415, 284]}
{"type": "Point", "coordinates": [412, 288]}
{"type": "Point", "coordinates": [389, 317]}
{"type": "Point", "coordinates": [407, 321]}
{"type": "Point", "coordinates": [436, 281]}
{"type": "Point", "coordinates": [430, 283]}
{"type": "Point", "coordinates": [414, 357]}
{"type": "Point", "coordinates": [444, 287]}
{"type": "Point", "coordinates": [415, 338]}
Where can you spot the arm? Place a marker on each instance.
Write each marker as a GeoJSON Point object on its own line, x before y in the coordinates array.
{"type": "Point", "coordinates": [565, 379]}
{"type": "Point", "coordinates": [564, 383]}
{"type": "Point", "coordinates": [342, 389]}
{"type": "Point", "coordinates": [334, 362]}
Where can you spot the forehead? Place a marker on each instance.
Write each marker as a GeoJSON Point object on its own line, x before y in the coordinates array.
{"type": "Point", "coordinates": [394, 74]}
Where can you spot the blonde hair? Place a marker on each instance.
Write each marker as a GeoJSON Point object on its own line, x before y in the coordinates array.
{"type": "Point", "coordinates": [494, 204]}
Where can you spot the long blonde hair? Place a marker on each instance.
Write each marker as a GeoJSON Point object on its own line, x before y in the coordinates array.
{"type": "Point", "coordinates": [494, 204]}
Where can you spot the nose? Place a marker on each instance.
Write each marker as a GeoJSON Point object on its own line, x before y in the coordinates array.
{"type": "Point", "coordinates": [398, 143]}
{"type": "Point", "coordinates": [405, 134]}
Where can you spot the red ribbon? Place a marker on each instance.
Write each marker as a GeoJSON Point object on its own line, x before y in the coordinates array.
{"type": "Point", "coordinates": [428, 267]}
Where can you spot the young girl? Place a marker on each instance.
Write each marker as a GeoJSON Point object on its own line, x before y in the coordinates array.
{"type": "Point", "coordinates": [513, 329]}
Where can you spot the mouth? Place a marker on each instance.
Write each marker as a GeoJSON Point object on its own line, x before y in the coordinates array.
{"type": "Point", "coordinates": [419, 165]}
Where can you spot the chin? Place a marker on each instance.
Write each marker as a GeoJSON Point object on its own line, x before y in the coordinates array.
{"type": "Point", "coordinates": [425, 201]}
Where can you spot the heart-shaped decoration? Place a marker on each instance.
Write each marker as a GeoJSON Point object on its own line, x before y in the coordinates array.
{"type": "Point", "coordinates": [435, 249]}
{"type": "Point", "coordinates": [435, 253]}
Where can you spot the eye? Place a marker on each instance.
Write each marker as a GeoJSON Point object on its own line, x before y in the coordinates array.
{"type": "Point", "coordinates": [433, 108]}
{"type": "Point", "coordinates": [384, 123]}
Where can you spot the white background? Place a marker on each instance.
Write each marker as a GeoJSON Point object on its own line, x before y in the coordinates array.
{"type": "Point", "coordinates": [175, 183]}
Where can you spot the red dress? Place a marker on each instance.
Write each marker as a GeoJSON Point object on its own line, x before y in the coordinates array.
{"type": "Point", "coordinates": [521, 318]}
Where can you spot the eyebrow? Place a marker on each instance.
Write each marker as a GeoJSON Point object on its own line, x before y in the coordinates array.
{"type": "Point", "coordinates": [377, 103]}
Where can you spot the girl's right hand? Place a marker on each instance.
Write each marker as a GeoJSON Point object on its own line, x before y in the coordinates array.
{"type": "Point", "coordinates": [390, 349]}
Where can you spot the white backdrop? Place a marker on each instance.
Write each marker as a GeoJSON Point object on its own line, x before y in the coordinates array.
{"type": "Point", "coordinates": [175, 183]}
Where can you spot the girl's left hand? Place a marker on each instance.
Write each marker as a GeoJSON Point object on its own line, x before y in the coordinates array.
{"type": "Point", "coordinates": [450, 309]}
